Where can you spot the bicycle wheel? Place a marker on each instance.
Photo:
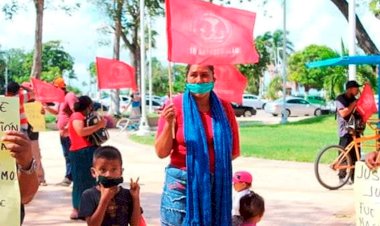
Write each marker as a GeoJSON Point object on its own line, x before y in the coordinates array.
{"type": "Point", "coordinates": [332, 173]}
{"type": "Point", "coordinates": [122, 124]}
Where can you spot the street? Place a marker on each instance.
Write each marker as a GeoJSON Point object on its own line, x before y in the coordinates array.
{"type": "Point", "coordinates": [291, 192]}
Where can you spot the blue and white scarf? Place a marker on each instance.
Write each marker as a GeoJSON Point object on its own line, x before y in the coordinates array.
{"type": "Point", "coordinates": [207, 205]}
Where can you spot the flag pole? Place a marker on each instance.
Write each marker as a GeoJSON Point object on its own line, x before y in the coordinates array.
{"type": "Point", "coordinates": [99, 93]}
{"type": "Point", "coordinates": [170, 82]}
{"type": "Point", "coordinates": [171, 94]}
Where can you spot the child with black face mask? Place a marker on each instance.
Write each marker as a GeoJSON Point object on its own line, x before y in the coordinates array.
{"type": "Point", "coordinates": [107, 203]}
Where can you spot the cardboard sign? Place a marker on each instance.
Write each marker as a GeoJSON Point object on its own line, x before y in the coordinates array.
{"type": "Point", "coordinates": [9, 188]}
{"type": "Point", "coordinates": [367, 195]}
{"type": "Point", "coordinates": [34, 116]}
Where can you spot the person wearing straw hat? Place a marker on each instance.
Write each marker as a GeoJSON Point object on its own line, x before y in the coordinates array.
{"type": "Point", "coordinates": [199, 132]}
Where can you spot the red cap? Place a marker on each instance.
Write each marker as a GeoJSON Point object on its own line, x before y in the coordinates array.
{"type": "Point", "coordinates": [241, 177]}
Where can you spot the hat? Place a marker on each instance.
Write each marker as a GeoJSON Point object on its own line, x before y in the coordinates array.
{"type": "Point", "coordinates": [351, 84]}
{"type": "Point", "coordinates": [59, 82]}
{"type": "Point", "coordinates": [242, 176]}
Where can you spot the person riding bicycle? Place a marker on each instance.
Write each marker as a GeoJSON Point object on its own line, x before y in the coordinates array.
{"type": "Point", "coordinates": [346, 104]}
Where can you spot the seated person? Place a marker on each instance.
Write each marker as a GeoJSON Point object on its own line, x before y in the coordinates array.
{"type": "Point", "coordinates": [252, 208]}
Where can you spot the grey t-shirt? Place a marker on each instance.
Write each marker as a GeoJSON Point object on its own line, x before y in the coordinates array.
{"type": "Point", "coordinates": [342, 101]}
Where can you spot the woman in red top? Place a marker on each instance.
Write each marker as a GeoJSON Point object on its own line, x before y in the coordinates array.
{"type": "Point", "coordinates": [81, 150]}
{"type": "Point", "coordinates": [198, 183]}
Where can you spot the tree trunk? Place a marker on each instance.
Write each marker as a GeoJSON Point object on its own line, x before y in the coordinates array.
{"type": "Point", "coordinates": [37, 56]}
{"type": "Point", "coordinates": [364, 41]}
{"type": "Point", "coordinates": [115, 99]}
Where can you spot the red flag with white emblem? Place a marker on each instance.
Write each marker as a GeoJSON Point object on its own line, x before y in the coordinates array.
{"type": "Point", "coordinates": [200, 32]}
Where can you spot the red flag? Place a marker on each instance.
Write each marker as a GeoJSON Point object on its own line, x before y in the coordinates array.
{"type": "Point", "coordinates": [142, 221]}
{"type": "Point", "coordinates": [46, 92]}
{"type": "Point", "coordinates": [200, 32]}
{"type": "Point", "coordinates": [230, 83]}
{"type": "Point", "coordinates": [366, 105]}
{"type": "Point", "coordinates": [114, 74]}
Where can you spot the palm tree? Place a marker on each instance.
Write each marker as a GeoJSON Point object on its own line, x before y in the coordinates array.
{"type": "Point", "coordinates": [274, 43]}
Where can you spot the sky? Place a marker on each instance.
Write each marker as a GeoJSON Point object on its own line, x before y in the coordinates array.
{"type": "Point", "coordinates": [308, 22]}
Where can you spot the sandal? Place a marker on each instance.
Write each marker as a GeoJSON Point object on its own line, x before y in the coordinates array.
{"type": "Point", "coordinates": [74, 215]}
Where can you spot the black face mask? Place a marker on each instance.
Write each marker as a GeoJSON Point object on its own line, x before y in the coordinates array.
{"type": "Point", "coordinates": [109, 182]}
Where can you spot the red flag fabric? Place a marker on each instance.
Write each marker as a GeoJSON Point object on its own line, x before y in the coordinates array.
{"type": "Point", "coordinates": [200, 32]}
{"type": "Point", "coordinates": [229, 83]}
{"type": "Point", "coordinates": [46, 92]}
{"type": "Point", "coordinates": [114, 74]}
{"type": "Point", "coordinates": [366, 105]}
{"type": "Point", "coordinates": [142, 221]}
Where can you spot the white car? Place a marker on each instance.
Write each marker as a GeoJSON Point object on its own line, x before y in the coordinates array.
{"type": "Point", "coordinates": [254, 101]}
{"type": "Point", "coordinates": [294, 107]}
{"type": "Point", "coordinates": [154, 98]}
{"type": "Point", "coordinates": [124, 101]}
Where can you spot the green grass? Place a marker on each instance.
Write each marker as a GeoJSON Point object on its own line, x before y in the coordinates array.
{"type": "Point", "coordinates": [148, 140]}
{"type": "Point", "coordinates": [50, 118]}
{"type": "Point", "coordinates": [296, 141]}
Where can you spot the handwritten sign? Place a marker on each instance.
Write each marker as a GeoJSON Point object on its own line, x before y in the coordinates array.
{"type": "Point", "coordinates": [9, 188]}
{"type": "Point", "coordinates": [34, 116]}
{"type": "Point", "coordinates": [367, 195]}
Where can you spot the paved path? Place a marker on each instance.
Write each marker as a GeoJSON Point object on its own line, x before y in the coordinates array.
{"type": "Point", "coordinates": [291, 192]}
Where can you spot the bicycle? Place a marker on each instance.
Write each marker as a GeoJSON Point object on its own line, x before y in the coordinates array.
{"type": "Point", "coordinates": [329, 163]}
{"type": "Point", "coordinates": [128, 124]}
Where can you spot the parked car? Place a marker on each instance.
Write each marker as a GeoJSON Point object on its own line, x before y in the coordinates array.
{"type": "Point", "coordinates": [294, 106]}
{"type": "Point", "coordinates": [154, 97]}
{"type": "Point", "coordinates": [241, 110]}
{"type": "Point", "coordinates": [156, 105]}
{"type": "Point", "coordinates": [124, 101]}
{"type": "Point", "coordinates": [330, 107]}
{"type": "Point", "coordinates": [317, 100]}
{"type": "Point", "coordinates": [253, 101]}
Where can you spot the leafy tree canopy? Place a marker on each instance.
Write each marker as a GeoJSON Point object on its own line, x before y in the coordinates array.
{"type": "Point", "coordinates": [55, 60]}
{"type": "Point", "coordinates": [311, 78]}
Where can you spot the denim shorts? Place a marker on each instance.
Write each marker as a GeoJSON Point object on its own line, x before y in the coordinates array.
{"type": "Point", "coordinates": [173, 199]}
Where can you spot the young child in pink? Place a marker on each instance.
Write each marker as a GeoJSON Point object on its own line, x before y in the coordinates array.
{"type": "Point", "coordinates": [242, 182]}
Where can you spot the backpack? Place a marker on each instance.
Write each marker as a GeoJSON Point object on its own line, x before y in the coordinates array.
{"type": "Point", "coordinates": [101, 135]}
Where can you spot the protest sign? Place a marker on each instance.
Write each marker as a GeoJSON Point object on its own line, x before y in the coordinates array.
{"type": "Point", "coordinates": [9, 188]}
{"type": "Point", "coordinates": [367, 195]}
{"type": "Point", "coordinates": [34, 116]}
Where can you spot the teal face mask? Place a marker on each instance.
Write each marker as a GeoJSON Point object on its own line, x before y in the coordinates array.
{"type": "Point", "coordinates": [200, 88]}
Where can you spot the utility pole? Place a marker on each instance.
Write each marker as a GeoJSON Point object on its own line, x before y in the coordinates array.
{"type": "Point", "coordinates": [150, 63]}
{"type": "Point", "coordinates": [351, 38]}
{"type": "Point", "coordinates": [143, 128]}
{"type": "Point", "coordinates": [284, 115]}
